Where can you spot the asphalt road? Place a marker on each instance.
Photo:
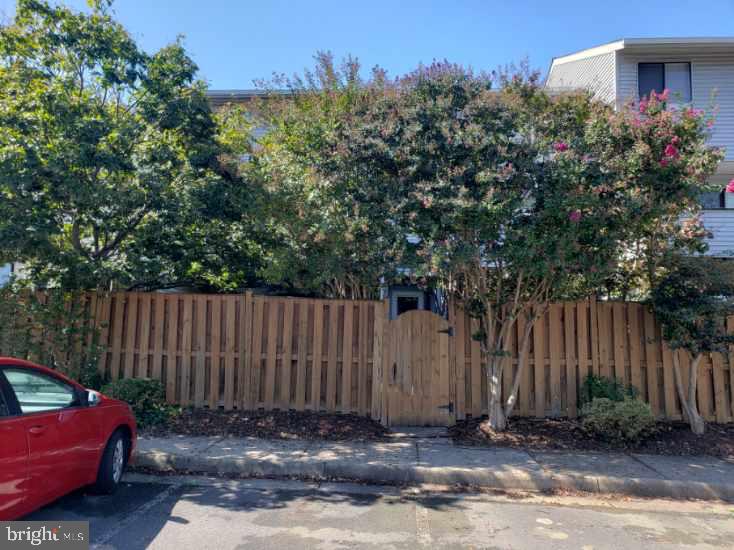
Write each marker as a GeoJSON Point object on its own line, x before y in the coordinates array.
{"type": "Point", "coordinates": [201, 513]}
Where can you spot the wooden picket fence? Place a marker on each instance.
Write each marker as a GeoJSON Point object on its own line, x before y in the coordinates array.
{"type": "Point", "coordinates": [260, 352]}
{"type": "Point", "coordinates": [612, 339]}
{"type": "Point", "coordinates": [243, 351]}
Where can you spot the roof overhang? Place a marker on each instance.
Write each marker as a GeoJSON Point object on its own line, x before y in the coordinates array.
{"type": "Point", "coordinates": [217, 98]}
{"type": "Point", "coordinates": [708, 44]}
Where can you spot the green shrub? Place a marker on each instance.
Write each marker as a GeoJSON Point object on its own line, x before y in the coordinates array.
{"type": "Point", "coordinates": [626, 421]}
{"type": "Point", "coordinates": [146, 397]}
{"type": "Point", "coordinates": [595, 387]}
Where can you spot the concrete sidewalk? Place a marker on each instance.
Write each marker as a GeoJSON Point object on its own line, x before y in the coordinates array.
{"type": "Point", "coordinates": [414, 459]}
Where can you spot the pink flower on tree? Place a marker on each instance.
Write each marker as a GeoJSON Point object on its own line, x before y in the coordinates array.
{"type": "Point", "coordinates": [575, 216]}
{"type": "Point", "coordinates": [560, 146]}
{"type": "Point", "coordinates": [693, 113]}
{"type": "Point", "coordinates": [643, 106]}
{"type": "Point", "coordinates": [671, 151]}
{"type": "Point", "coordinates": [664, 96]}
{"type": "Point", "coordinates": [730, 187]}
{"type": "Point", "coordinates": [664, 162]}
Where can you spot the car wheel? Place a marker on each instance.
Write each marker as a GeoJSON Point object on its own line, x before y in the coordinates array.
{"type": "Point", "coordinates": [112, 465]}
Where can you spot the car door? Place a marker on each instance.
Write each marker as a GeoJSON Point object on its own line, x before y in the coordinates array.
{"type": "Point", "coordinates": [56, 434]}
{"type": "Point", "coordinates": [13, 458]}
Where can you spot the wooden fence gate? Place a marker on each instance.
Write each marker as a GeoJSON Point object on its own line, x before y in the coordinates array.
{"type": "Point", "coordinates": [417, 377]}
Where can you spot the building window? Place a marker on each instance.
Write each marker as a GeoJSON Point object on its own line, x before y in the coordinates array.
{"type": "Point", "coordinates": [675, 77]}
{"type": "Point", "coordinates": [406, 299]}
{"type": "Point", "coordinates": [716, 200]}
{"type": "Point", "coordinates": [407, 303]}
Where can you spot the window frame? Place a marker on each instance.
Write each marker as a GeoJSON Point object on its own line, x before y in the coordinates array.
{"type": "Point", "coordinates": [406, 293]}
{"type": "Point", "coordinates": [12, 398]}
{"type": "Point", "coordinates": [664, 63]}
{"type": "Point", "coordinates": [7, 395]}
{"type": "Point", "coordinates": [722, 202]}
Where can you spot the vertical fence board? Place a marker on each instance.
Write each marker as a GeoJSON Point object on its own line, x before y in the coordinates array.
{"type": "Point", "coordinates": [103, 324]}
{"type": "Point", "coordinates": [619, 335]}
{"type": "Point", "coordinates": [257, 359]}
{"type": "Point", "coordinates": [132, 326]}
{"type": "Point", "coordinates": [363, 394]}
{"type": "Point", "coordinates": [347, 352]}
{"type": "Point", "coordinates": [229, 359]}
{"type": "Point", "coordinates": [318, 340]}
{"type": "Point", "coordinates": [720, 412]}
{"type": "Point", "coordinates": [582, 339]}
{"type": "Point", "coordinates": [245, 378]}
{"type": "Point", "coordinates": [556, 343]}
{"type": "Point", "coordinates": [172, 349]}
{"type": "Point", "coordinates": [270, 361]}
{"type": "Point", "coordinates": [378, 365]}
{"type": "Point", "coordinates": [594, 335]}
{"type": "Point", "coordinates": [118, 328]}
{"type": "Point", "coordinates": [669, 388]}
{"type": "Point", "coordinates": [144, 345]}
{"type": "Point", "coordinates": [523, 396]}
{"type": "Point", "coordinates": [186, 342]}
{"type": "Point", "coordinates": [703, 389]}
{"type": "Point", "coordinates": [287, 357]}
{"type": "Point", "coordinates": [460, 352]}
{"type": "Point", "coordinates": [331, 355]}
{"type": "Point", "coordinates": [476, 371]}
{"type": "Point", "coordinates": [571, 382]}
{"type": "Point", "coordinates": [215, 351]}
{"type": "Point", "coordinates": [200, 338]}
{"type": "Point", "coordinates": [159, 336]}
{"type": "Point", "coordinates": [302, 355]}
{"type": "Point", "coordinates": [539, 365]}
{"type": "Point", "coordinates": [604, 311]}
{"type": "Point", "coordinates": [633, 315]}
{"type": "Point", "coordinates": [651, 362]}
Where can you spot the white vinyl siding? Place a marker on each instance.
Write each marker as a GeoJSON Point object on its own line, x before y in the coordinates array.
{"type": "Point", "coordinates": [712, 84]}
{"type": "Point", "coordinates": [595, 74]}
{"type": "Point", "coordinates": [721, 224]}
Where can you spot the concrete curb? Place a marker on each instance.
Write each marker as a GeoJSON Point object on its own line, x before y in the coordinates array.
{"type": "Point", "coordinates": [412, 475]}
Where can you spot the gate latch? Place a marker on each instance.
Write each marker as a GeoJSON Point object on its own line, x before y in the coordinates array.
{"type": "Point", "coordinates": [449, 331]}
{"type": "Point", "coordinates": [449, 408]}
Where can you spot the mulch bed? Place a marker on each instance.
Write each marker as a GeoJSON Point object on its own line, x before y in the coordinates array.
{"type": "Point", "coordinates": [273, 425]}
{"type": "Point", "coordinates": [670, 438]}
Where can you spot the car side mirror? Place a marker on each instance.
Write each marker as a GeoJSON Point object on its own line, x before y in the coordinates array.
{"type": "Point", "coordinates": [94, 398]}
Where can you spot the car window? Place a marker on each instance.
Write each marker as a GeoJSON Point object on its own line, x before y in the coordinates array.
{"type": "Point", "coordinates": [37, 392]}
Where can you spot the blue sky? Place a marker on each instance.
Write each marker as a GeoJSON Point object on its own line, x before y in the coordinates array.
{"type": "Point", "coordinates": [235, 42]}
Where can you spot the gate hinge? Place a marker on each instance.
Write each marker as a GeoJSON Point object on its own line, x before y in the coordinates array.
{"type": "Point", "coordinates": [449, 407]}
{"type": "Point", "coordinates": [449, 331]}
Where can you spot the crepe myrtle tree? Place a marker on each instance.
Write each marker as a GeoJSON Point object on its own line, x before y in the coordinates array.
{"type": "Point", "coordinates": [322, 240]}
{"type": "Point", "coordinates": [503, 209]}
{"type": "Point", "coordinates": [517, 199]}
{"type": "Point", "coordinates": [657, 161]}
{"type": "Point", "coordinates": [692, 302]}
{"type": "Point", "coordinates": [101, 144]}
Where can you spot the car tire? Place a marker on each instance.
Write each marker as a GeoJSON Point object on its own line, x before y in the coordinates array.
{"type": "Point", "coordinates": [112, 464]}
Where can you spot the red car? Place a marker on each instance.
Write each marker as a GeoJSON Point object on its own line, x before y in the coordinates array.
{"type": "Point", "coordinates": [55, 437]}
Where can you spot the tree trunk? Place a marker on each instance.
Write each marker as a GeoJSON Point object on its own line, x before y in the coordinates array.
{"type": "Point", "coordinates": [688, 402]}
{"type": "Point", "coordinates": [521, 366]}
{"type": "Point", "coordinates": [497, 420]}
